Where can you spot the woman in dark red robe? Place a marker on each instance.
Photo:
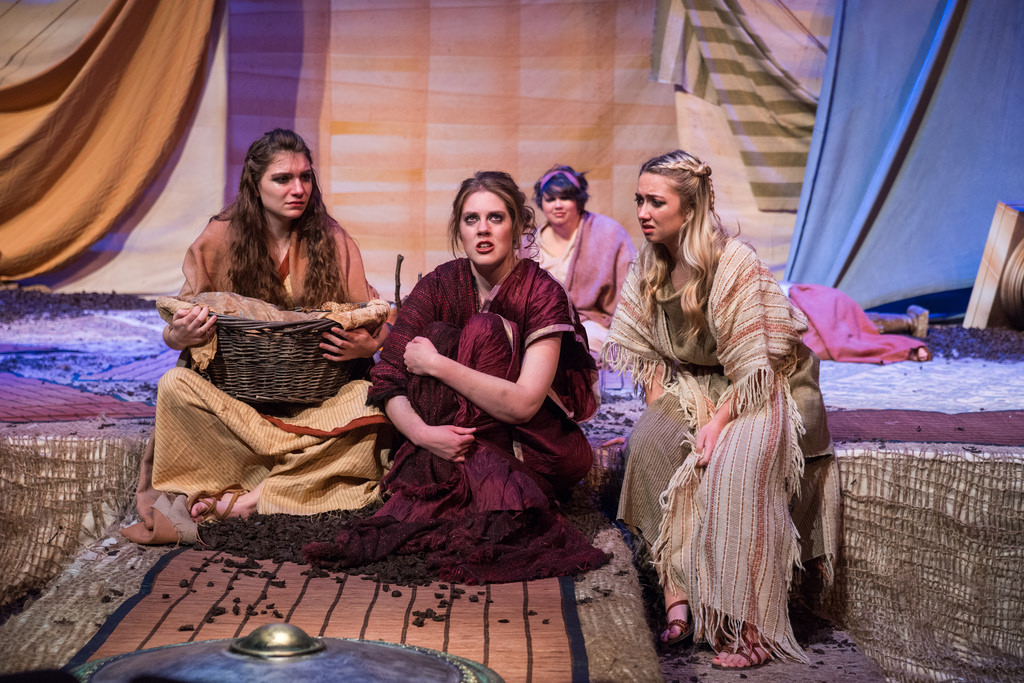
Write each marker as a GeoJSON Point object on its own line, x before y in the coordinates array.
{"type": "Point", "coordinates": [486, 373]}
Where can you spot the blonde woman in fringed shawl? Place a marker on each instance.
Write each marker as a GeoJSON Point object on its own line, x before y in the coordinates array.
{"type": "Point", "coordinates": [734, 430]}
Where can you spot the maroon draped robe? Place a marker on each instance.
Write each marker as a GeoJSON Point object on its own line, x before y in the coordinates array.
{"type": "Point", "coordinates": [490, 518]}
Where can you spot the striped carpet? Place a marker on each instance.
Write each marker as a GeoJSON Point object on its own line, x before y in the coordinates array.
{"type": "Point", "coordinates": [26, 400]}
{"type": "Point", "coordinates": [990, 428]}
{"type": "Point", "coordinates": [526, 631]}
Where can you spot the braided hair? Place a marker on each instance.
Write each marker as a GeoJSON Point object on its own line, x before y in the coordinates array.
{"type": "Point", "coordinates": [700, 242]}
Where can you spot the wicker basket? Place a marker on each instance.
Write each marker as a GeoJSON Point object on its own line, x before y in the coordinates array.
{"type": "Point", "coordinates": [276, 362]}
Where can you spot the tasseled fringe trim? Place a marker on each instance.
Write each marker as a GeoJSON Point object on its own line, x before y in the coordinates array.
{"type": "Point", "coordinates": [754, 390]}
{"type": "Point", "coordinates": [710, 623]}
{"type": "Point", "coordinates": [795, 472]}
{"type": "Point", "coordinates": [795, 554]}
{"type": "Point", "coordinates": [796, 429]}
{"type": "Point", "coordinates": [642, 371]}
{"type": "Point", "coordinates": [669, 576]}
{"type": "Point", "coordinates": [687, 395]}
{"type": "Point", "coordinates": [721, 629]}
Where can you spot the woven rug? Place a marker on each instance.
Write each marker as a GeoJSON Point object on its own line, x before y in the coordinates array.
{"type": "Point", "coordinates": [27, 400]}
{"type": "Point", "coordinates": [526, 631]}
{"type": "Point", "coordinates": [996, 428]}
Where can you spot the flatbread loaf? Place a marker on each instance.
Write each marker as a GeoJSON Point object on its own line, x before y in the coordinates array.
{"type": "Point", "coordinates": [350, 316]}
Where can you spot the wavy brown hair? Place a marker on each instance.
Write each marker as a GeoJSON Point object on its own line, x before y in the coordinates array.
{"type": "Point", "coordinates": [252, 271]}
{"type": "Point", "coordinates": [503, 185]}
{"type": "Point", "coordinates": [701, 240]}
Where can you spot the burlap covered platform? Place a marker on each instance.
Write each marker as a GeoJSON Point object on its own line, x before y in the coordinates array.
{"type": "Point", "coordinates": [930, 530]}
{"type": "Point", "coordinates": [59, 493]}
{"type": "Point", "coordinates": [926, 580]}
{"type": "Point", "coordinates": [929, 583]}
{"type": "Point", "coordinates": [612, 641]}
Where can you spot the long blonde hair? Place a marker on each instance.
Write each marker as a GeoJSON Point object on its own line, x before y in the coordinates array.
{"type": "Point", "coordinates": [701, 240]}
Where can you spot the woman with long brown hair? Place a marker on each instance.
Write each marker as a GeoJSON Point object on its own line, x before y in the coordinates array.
{"type": "Point", "coordinates": [734, 425]}
{"type": "Point", "coordinates": [276, 242]}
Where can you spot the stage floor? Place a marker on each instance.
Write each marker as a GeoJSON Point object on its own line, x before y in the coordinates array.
{"type": "Point", "coordinates": [121, 354]}
{"type": "Point", "coordinates": [95, 374]}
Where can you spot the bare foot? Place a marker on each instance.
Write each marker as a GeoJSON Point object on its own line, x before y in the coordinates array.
{"type": "Point", "coordinates": [921, 354]}
{"type": "Point", "coordinates": [231, 503]}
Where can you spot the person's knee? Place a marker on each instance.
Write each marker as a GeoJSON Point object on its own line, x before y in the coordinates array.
{"type": "Point", "coordinates": [172, 383]}
{"type": "Point", "coordinates": [488, 328]}
{"type": "Point", "coordinates": [489, 344]}
{"type": "Point", "coordinates": [571, 465]}
{"type": "Point", "coordinates": [578, 467]}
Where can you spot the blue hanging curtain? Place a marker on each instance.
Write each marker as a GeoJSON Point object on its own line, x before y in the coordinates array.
{"type": "Point", "coordinates": [919, 133]}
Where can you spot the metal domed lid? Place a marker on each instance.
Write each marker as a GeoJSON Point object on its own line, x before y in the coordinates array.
{"type": "Point", "coordinates": [277, 640]}
{"type": "Point", "coordinates": [282, 653]}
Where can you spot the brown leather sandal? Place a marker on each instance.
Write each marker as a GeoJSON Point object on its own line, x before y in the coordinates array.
{"type": "Point", "coordinates": [755, 655]}
{"type": "Point", "coordinates": [685, 627]}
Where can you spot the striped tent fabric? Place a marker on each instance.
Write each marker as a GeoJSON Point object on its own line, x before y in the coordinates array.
{"type": "Point", "coordinates": [762, 63]}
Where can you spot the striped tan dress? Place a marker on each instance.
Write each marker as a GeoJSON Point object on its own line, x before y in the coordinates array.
{"type": "Point", "coordinates": [323, 457]}
{"type": "Point", "coordinates": [725, 533]}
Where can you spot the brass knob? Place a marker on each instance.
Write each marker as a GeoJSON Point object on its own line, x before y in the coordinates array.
{"type": "Point", "coordinates": [277, 640]}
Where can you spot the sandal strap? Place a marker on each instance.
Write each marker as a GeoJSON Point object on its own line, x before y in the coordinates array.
{"type": "Point", "coordinates": [210, 500]}
{"type": "Point", "coordinates": [749, 652]}
{"type": "Point", "coordinates": [231, 505]}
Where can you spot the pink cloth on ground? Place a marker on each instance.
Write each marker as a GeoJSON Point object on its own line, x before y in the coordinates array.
{"type": "Point", "coordinates": [840, 330]}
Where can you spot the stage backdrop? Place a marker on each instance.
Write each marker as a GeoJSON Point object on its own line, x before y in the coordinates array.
{"type": "Point", "coordinates": [101, 147]}
{"type": "Point", "coordinates": [918, 136]}
{"type": "Point", "coordinates": [747, 75]}
{"type": "Point", "coordinates": [400, 101]}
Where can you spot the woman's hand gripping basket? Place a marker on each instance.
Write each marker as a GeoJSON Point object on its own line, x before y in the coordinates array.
{"type": "Point", "coordinates": [262, 354]}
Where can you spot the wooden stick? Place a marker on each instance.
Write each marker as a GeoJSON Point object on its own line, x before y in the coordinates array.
{"type": "Point", "coordinates": [398, 282]}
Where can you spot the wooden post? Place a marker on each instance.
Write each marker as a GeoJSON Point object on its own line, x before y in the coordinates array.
{"type": "Point", "coordinates": [985, 308]}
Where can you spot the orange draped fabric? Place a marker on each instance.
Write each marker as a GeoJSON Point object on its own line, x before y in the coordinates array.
{"type": "Point", "coordinates": [82, 139]}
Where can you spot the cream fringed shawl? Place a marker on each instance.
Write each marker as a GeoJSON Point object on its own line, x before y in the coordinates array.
{"type": "Point", "coordinates": [727, 537]}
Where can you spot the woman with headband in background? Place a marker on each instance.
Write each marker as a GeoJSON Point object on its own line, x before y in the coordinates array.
{"type": "Point", "coordinates": [585, 251]}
